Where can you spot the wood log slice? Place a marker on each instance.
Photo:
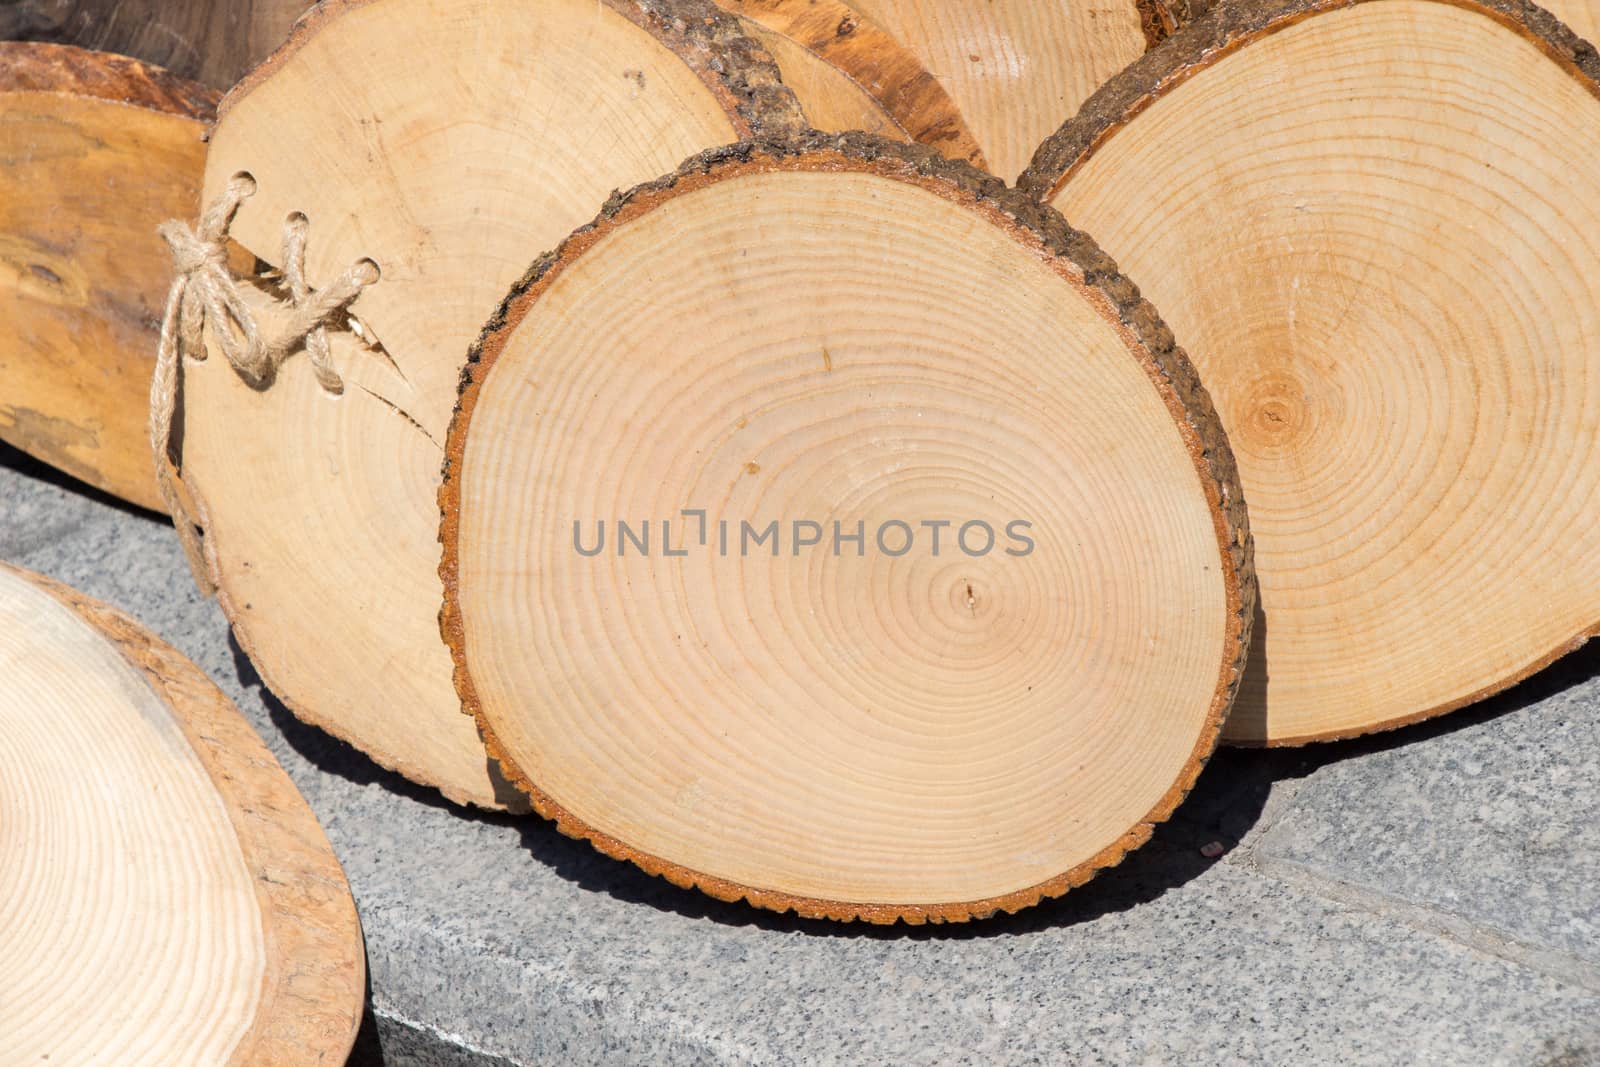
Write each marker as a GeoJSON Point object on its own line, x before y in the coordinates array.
{"type": "Point", "coordinates": [834, 336]}
{"type": "Point", "coordinates": [448, 142]}
{"type": "Point", "coordinates": [212, 41]}
{"type": "Point", "coordinates": [1373, 226]}
{"type": "Point", "coordinates": [95, 152]}
{"type": "Point", "coordinates": [166, 896]}
{"type": "Point", "coordinates": [984, 82]}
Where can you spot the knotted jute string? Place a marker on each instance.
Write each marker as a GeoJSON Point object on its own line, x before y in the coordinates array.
{"type": "Point", "coordinates": [203, 293]}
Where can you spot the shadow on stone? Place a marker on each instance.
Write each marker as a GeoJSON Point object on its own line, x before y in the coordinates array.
{"type": "Point", "coordinates": [368, 1049]}
{"type": "Point", "coordinates": [326, 752]}
{"type": "Point", "coordinates": [14, 459]}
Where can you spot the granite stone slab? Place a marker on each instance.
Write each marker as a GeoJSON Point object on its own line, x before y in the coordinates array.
{"type": "Point", "coordinates": [1492, 823]}
{"type": "Point", "coordinates": [494, 941]}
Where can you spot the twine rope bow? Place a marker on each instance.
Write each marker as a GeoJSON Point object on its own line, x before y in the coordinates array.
{"type": "Point", "coordinates": [204, 292]}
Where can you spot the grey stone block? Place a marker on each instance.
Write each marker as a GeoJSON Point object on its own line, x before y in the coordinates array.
{"type": "Point", "coordinates": [34, 512]}
{"type": "Point", "coordinates": [1490, 821]}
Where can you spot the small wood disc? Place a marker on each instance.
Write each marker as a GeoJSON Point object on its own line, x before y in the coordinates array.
{"type": "Point", "coordinates": [448, 142]}
{"type": "Point", "coordinates": [165, 894]}
{"type": "Point", "coordinates": [842, 330]}
{"type": "Point", "coordinates": [1373, 226]}
{"type": "Point", "coordinates": [95, 152]}
{"type": "Point", "coordinates": [984, 82]}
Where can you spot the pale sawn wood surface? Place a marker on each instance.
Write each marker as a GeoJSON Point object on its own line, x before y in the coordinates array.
{"type": "Point", "coordinates": [984, 82]}
{"type": "Point", "coordinates": [859, 332]}
{"type": "Point", "coordinates": [212, 41]}
{"type": "Point", "coordinates": [1379, 245]}
{"type": "Point", "coordinates": [449, 142]}
{"type": "Point", "coordinates": [165, 894]}
{"type": "Point", "coordinates": [95, 151]}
